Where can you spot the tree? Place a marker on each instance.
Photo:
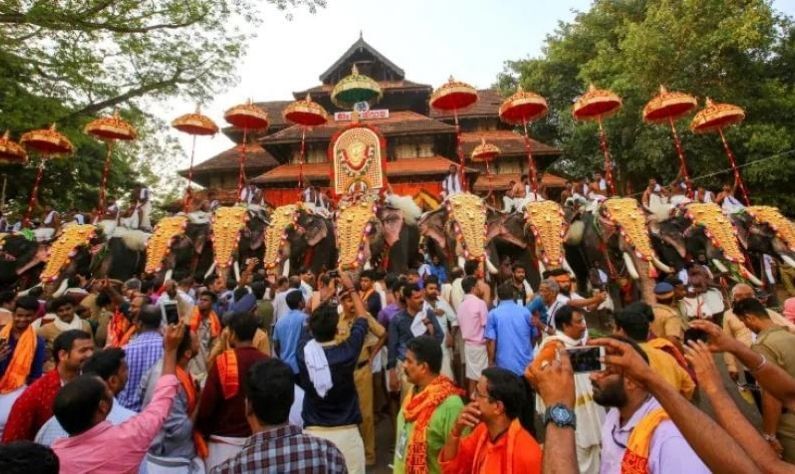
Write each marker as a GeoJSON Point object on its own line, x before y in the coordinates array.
{"type": "Point", "coordinates": [69, 61]}
{"type": "Point", "coordinates": [738, 51]}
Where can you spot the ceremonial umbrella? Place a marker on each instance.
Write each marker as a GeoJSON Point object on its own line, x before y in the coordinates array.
{"type": "Point", "coordinates": [520, 109]}
{"type": "Point", "coordinates": [454, 96]}
{"type": "Point", "coordinates": [194, 124]}
{"type": "Point", "coordinates": [355, 88]}
{"type": "Point", "coordinates": [109, 129]}
{"type": "Point", "coordinates": [248, 117]}
{"type": "Point", "coordinates": [486, 152]}
{"type": "Point", "coordinates": [598, 104]}
{"type": "Point", "coordinates": [48, 142]}
{"type": "Point", "coordinates": [666, 107]}
{"type": "Point", "coordinates": [714, 117]}
{"type": "Point", "coordinates": [305, 114]}
{"type": "Point", "coordinates": [11, 153]}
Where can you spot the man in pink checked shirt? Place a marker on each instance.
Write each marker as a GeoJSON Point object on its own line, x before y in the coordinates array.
{"type": "Point", "coordinates": [94, 445]}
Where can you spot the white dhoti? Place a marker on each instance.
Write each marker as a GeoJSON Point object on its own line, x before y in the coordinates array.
{"type": "Point", "coordinates": [162, 465]}
{"type": "Point", "coordinates": [6, 402]}
{"type": "Point", "coordinates": [476, 359]}
{"type": "Point", "coordinates": [347, 439]}
{"type": "Point", "coordinates": [146, 215]}
{"type": "Point", "coordinates": [447, 362]}
{"type": "Point", "coordinates": [221, 448]}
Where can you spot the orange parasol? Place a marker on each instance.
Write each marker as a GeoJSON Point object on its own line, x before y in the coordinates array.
{"type": "Point", "coordinates": [11, 152]}
{"type": "Point", "coordinates": [305, 114]}
{"type": "Point", "coordinates": [194, 124]}
{"type": "Point", "coordinates": [248, 117]}
{"type": "Point", "coordinates": [486, 152]}
{"type": "Point", "coordinates": [452, 96]}
{"type": "Point", "coordinates": [519, 109]}
{"type": "Point", "coordinates": [714, 117]}
{"type": "Point", "coordinates": [109, 129]}
{"type": "Point", "coordinates": [598, 104]}
{"type": "Point", "coordinates": [666, 107]}
{"type": "Point", "coordinates": [48, 142]}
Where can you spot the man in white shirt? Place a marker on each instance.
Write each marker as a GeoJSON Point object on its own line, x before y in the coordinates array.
{"type": "Point", "coordinates": [703, 302]}
{"type": "Point", "coordinates": [447, 320]}
{"type": "Point", "coordinates": [452, 182]}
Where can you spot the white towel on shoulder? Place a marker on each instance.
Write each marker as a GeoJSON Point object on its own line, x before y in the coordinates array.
{"type": "Point", "coordinates": [318, 368]}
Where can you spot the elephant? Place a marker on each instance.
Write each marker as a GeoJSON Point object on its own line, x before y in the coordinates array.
{"type": "Point", "coordinates": [237, 233]}
{"type": "Point", "coordinates": [763, 230]}
{"type": "Point", "coordinates": [297, 236]}
{"type": "Point", "coordinates": [21, 261]}
{"type": "Point", "coordinates": [72, 252]}
{"type": "Point", "coordinates": [702, 230]}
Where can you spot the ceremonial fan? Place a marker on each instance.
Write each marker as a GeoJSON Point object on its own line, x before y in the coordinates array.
{"type": "Point", "coordinates": [520, 109]}
{"type": "Point", "coordinates": [194, 124]}
{"type": "Point", "coordinates": [598, 104]}
{"type": "Point", "coordinates": [49, 143]}
{"type": "Point", "coordinates": [109, 129]}
{"type": "Point", "coordinates": [454, 96]}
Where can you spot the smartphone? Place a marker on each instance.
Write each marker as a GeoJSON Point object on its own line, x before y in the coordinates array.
{"type": "Point", "coordinates": [694, 334]}
{"type": "Point", "coordinates": [170, 313]}
{"type": "Point", "coordinates": [586, 358]}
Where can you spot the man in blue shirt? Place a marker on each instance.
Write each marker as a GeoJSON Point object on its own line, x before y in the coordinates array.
{"type": "Point", "coordinates": [287, 331]}
{"type": "Point", "coordinates": [509, 333]}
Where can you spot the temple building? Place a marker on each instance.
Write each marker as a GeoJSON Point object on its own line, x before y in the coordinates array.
{"type": "Point", "coordinates": [420, 142]}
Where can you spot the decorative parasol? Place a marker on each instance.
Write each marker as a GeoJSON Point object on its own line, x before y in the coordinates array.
{"type": "Point", "coordinates": [597, 105]}
{"type": "Point", "coordinates": [109, 129]}
{"type": "Point", "coordinates": [305, 114]}
{"type": "Point", "coordinates": [520, 109]}
{"type": "Point", "coordinates": [355, 88]}
{"type": "Point", "coordinates": [714, 117]}
{"type": "Point", "coordinates": [486, 152]}
{"type": "Point", "coordinates": [248, 117]}
{"type": "Point", "coordinates": [49, 143]}
{"type": "Point", "coordinates": [454, 96]}
{"type": "Point", "coordinates": [666, 107]}
{"type": "Point", "coordinates": [11, 152]}
{"type": "Point", "coordinates": [194, 124]}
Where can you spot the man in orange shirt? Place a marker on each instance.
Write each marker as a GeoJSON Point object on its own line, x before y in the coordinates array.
{"type": "Point", "coordinates": [500, 416]}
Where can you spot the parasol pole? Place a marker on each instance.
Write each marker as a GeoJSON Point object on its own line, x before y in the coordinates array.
{"type": "Point", "coordinates": [611, 187]}
{"type": "Point", "coordinates": [531, 164]}
{"type": "Point", "coordinates": [737, 178]}
{"type": "Point", "coordinates": [459, 150]}
{"type": "Point", "coordinates": [682, 162]}
{"type": "Point", "coordinates": [33, 195]}
{"type": "Point", "coordinates": [242, 163]}
{"type": "Point", "coordinates": [3, 193]}
{"type": "Point", "coordinates": [189, 190]}
{"type": "Point", "coordinates": [104, 183]}
{"type": "Point", "coordinates": [301, 160]}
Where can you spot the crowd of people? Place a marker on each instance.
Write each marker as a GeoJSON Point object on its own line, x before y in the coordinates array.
{"type": "Point", "coordinates": [293, 374]}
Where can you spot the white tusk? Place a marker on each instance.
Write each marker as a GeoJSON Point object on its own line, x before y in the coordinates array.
{"type": "Point", "coordinates": [461, 262]}
{"type": "Point", "coordinates": [169, 272]}
{"type": "Point", "coordinates": [62, 288]}
{"type": "Point", "coordinates": [567, 267]}
{"type": "Point", "coordinates": [633, 272]}
{"type": "Point", "coordinates": [661, 266]}
{"type": "Point", "coordinates": [367, 265]}
{"type": "Point", "coordinates": [25, 292]}
{"type": "Point", "coordinates": [787, 259]}
{"type": "Point", "coordinates": [541, 267]}
{"type": "Point", "coordinates": [236, 266]}
{"type": "Point", "coordinates": [720, 266]}
{"type": "Point", "coordinates": [753, 279]}
{"type": "Point", "coordinates": [210, 271]}
{"type": "Point", "coordinates": [490, 267]}
{"type": "Point", "coordinates": [286, 268]}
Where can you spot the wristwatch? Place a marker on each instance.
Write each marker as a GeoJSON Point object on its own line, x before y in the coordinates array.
{"type": "Point", "coordinates": [561, 415]}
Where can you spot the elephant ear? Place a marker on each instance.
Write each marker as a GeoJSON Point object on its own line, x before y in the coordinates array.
{"type": "Point", "coordinates": [392, 220]}
{"type": "Point", "coordinates": [508, 227]}
{"type": "Point", "coordinates": [315, 230]}
{"type": "Point", "coordinates": [432, 224]}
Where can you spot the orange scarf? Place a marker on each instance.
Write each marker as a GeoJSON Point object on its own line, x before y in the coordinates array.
{"type": "Point", "coordinates": [227, 373]}
{"type": "Point", "coordinates": [18, 367]}
{"type": "Point", "coordinates": [481, 451]}
{"type": "Point", "coordinates": [121, 330]}
{"type": "Point", "coordinates": [196, 319]}
{"type": "Point", "coordinates": [636, 457]}
{"type": "Point", "coordinates": [418, 409]}
{"type": "Point", "coordinates": [190, 391]}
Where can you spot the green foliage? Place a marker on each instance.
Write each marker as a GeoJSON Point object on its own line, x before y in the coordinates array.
{"type": "Point", "coordinates": [737, 51]}
{"type": "Point", "coordinates": [69, 61]}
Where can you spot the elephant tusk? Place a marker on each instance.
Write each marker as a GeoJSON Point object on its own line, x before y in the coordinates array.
{"type": "Point", "coordinates": [567, 267]}
{"type": "Point", "coordinates": [541, 267]}
{"type": "Point", "coordinates": [461, 262]}
{"type": "Point", "coordinates": [367, 265]}
{"type": "Point", "coordinates": [62, 288]}
{"type": "Point", "coordinates": [169, 272]}
{"type": "Point", "coordinates": [490, 267]}
{"type": "Point", "coordinates": [753, 279]}
{"type": "Point", "coordinates": [633, 272]}
{"type": "Point", "coordinates": [720, 266]}
{"type": "Point", "coordinates": [210, 270]}
{"type": "Point", "coordinates": [661, 266]}
{"type": "Point", "coordinates": [787, 259]}
{"type": "Point", "coordinates": [236, 266]}
{"type": "Point", "coordinates": [286, 268]}
{"type": "Point", "coordinates": [25, 292]}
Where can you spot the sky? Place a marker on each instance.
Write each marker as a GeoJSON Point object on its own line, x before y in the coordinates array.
{"type": "Point", "coordinates": [428, 39]}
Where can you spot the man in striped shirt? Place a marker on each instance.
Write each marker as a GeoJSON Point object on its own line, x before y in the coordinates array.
{"type": "Point", "coordinates": [142, 353]}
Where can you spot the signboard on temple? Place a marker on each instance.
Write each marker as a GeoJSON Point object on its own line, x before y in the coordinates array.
{"type": "Point", "coordinates": [364, 115]}
{"type": "Point", "coordinates": [358, 155]}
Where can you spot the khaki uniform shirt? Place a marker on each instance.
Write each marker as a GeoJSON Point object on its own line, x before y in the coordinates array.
{"type": "Point", "coordinates": [776, 345]}
{"type": "Point", "coordinates": [374, 333]}
{"type": "Point", "coordinates": [667, 322]}
{"type": "Point", "coordinates": [734, 327]}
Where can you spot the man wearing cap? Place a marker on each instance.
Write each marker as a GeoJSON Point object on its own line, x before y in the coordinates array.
{"type": "Point", "coordinates": [667, 323]}
{"type": "Point", "coordinates": [570, 297]}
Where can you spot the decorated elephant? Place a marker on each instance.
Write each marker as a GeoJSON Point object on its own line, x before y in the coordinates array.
{"type": "Point", "coordinates": [296, 236]}
{"type": "Point", "coordinates": [763, 230]}
{"type": "Point", "coordinates": [21, 259]}
{"type": "Point", "coordinates": [71, 253]}
{"type": "Point", "coordinates": [701, 229]}
{"type": "Point", "coordinates": [237, 233]}
{"type": "Point", "coordinates": [611, 239]}
{"type": "Point", "coordinates": [179, 243]}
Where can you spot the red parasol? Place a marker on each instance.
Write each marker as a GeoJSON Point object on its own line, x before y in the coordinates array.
{"type": "Point", "coordinates": [248, 117]}
{"type": "Point", "coordinates": [305, 114]}
{"type": "Point", "coordinates": [11, 152]}
{"type": "Point", "coordinates": [109, 129]}
{"type": "Point", "coordinates": [194, 124]}
{"type": "Point", "coordinates": [520, 109]}
{"type": "Point", "coordinates": [486, 152]}
{"type": "Point", "coordinates": [48, 142]}
{"type": "Point", "coordinates": [714, 117]}
{"type": "Point", "coordinates": [598, 104]}
{"type": "Point", "coordinates": [454, 96]}
{"type": "Point", "coordinates": [666, 107]}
